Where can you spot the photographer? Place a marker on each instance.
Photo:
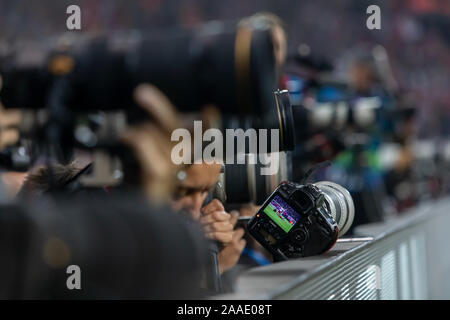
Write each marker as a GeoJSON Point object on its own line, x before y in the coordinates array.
{"type": "Point", "coordinates": [104, 219]}
{"type": "Point", "coordinates": [145, 146]}
{"type": "Point", "coordinates": [192, 183]}
{"type": "Point", "coordinates": [187, 187]}
{"type": "Point", "coordinates": [190, 195]}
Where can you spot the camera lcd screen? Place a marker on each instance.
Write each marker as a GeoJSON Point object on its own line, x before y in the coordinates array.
{"type": "Point", "coordinates": [281, 213]}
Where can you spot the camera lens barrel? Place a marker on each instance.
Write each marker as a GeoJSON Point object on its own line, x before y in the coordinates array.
{"type": "Point", "coordinates": [244, 183]}
{"type": "Point", "coordinates": [285, 119]}
{"type": "Point", "coordinates": [226, 65]}
{"type": "Point", "coordinates": [340, 204]}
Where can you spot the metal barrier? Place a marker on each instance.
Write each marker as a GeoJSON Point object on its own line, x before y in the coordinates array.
{"type": "Point", "coordinates": [404, 258]}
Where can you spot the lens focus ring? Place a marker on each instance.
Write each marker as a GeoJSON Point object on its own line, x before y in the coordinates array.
{"type": "Point", "coordinates": [340, 199]}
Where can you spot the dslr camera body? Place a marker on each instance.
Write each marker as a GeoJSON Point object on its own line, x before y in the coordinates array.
{"type": "Point", "coordinates": [302, 220]}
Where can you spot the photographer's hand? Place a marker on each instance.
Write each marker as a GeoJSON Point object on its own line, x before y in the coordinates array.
{"type": "Point", "coordinates": [151, 144]}
{"type": "Point", "coordinates": [216, 223]}
{"type": "Point", "coordinates": [229, 255]}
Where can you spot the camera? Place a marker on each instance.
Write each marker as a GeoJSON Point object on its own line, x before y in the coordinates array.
{"type": "Point", "coordinates": [75, 87]}
{"type": "Point", "coordinates": [100, 72]}
{"type": "Point", "coordinates": [243, 183]}
{"type": "Point", "coordinates": [302, 220]}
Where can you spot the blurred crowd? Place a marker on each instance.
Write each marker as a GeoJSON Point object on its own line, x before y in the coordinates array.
{"type": "Point", "coordinates": [415, 33]}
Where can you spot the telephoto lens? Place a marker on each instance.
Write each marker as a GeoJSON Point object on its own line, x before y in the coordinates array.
{"type": "Point", "coordinates": [302, 220]}
{"type": "Point", "coordinates": [217, 63]}
{"type": "Point", "coordinates": [244, 183]}
{"type": "Point", "coordinates": [278, 117]}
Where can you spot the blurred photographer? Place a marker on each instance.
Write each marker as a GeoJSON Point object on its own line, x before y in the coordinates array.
{"type": "Point", "coordinates": [192, 189]}
{"type": "Point", "coordinates": [144, 147]}
{"type": "Point", "coordinates": [187, 187]}
{"type": "Point", "coordinates": [10, 182]}
{"type": "Point", "coordinates": [218, 225]}
{"type": "Point", "coordinates": [120, 228]}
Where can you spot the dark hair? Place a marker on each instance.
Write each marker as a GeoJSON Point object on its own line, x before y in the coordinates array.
{"type": "Point", "coordinates": [48, 178]}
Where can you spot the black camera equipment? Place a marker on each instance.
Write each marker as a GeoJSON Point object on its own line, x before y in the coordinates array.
{"type": "Point", "coordinates": [242, 222]}
{"type": "Point", "coordinates": [76, 91]}
{"type": "Point", "coordinates": [243, 183]}
{"type": "Point", "coordinates": [279, 117]}
{"type": "Point", "coordinates": [218, 63]}
{"type": "Point", "coordinates": [302, 220]}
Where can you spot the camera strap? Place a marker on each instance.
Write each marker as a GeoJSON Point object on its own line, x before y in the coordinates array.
{"type": "Point", "coordinates": [308, 173]}
{"type": "Point", "coordinates": [214, 281]}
